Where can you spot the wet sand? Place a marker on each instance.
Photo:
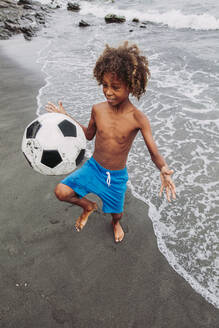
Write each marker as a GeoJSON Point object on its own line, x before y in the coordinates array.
{"type": "Point", "coordinates": [53, 276]}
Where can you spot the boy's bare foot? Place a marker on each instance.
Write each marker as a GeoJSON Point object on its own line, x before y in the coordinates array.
{"type": "Point", "coordinates": [118, 231]}
{"type": "Point", "coordinates": [82, 220]}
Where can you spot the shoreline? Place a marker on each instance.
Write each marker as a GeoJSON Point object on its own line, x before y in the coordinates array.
{"type": "Point", "coordinates": [178, 268]}
{"type": "Point", "coordinates": [52, 275]}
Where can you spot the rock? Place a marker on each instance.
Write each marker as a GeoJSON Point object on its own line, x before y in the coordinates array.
{"type": "Point", "coordinates": [5, 34]}
{"type": "Point", "coordinates": [5, 4]}
{"type": "Point", "coordinates": [25, 17]}
{"type": "Point", "coordinates": [12, 27]}
{"type": "Point", "coordinates": [135, 20]}
{"type": "Point", "coordinates": [40, 18]}
{"type": "Point", "coordinates": [28, 32]}
{"type": "Point", "coordinates": [112, 18]}
{"type": "Point", "coordinates": [25, 2]}
{"type": "Point", "coordinates": [73, 6]}
{"type": "Point", "coordinates": [82, 23]}
{"type": "Point", "coordinates": [28, 6]}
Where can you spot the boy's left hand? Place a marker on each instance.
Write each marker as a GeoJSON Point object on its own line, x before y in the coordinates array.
{"type": "Point", "coordinates": [167, 183]}
{"type": "Point", "coordinates": [50, 107]}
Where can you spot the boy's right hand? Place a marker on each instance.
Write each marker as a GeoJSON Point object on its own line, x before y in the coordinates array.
{"type": "Point", "coordinates": [50, 107]}
{"type": "Point", "coordinates": [167, 183]}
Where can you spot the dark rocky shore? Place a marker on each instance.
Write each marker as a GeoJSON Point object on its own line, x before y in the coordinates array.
{"type": "Point", "coordinates": [29, 16]}
{"type": "Point", "coordinates": [24, 16]}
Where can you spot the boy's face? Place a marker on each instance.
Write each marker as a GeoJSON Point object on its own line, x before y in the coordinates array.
{"type": "Point", "coordinates": [114, 89]}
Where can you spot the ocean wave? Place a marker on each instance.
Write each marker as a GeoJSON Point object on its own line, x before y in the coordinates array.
{"type": "Point", "coordinates": [173, 18]}
{"type": "Point", "coordinates": [154, 215]}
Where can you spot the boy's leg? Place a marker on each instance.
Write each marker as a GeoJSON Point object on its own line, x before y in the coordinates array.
{"type": "Point", "coordinates": [118, 231]}
{"type": "Point", "coordinates": [66, 194]}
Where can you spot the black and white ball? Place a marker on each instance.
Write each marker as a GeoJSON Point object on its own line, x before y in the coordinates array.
{"type": "Point", "coordinates": [54, 144]}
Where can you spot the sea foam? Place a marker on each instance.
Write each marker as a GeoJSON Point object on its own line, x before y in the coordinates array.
{"type": "Point", "coordinates": [173, 18]}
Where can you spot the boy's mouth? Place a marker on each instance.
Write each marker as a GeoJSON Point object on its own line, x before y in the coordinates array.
{"type": "Point", "coordinates": [110, 100]}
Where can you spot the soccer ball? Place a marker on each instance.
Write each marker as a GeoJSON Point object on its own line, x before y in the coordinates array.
{"type": "Point", "coordinates": [54, 144]}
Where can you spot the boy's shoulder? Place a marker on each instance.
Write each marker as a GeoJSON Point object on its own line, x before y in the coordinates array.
{"type": "Point", "coordinates": [99, 106]}
{"type": "Point", "coordinates": [138, 114]}
{"type": "Point", "coordinates": [141, 119]}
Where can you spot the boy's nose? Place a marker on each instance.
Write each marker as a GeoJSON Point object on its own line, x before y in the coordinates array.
{"type": "Point", "coordinates": [109, 92]}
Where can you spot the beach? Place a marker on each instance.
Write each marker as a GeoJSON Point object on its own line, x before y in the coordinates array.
{"type": "Point", "coordinates": [53, 276]}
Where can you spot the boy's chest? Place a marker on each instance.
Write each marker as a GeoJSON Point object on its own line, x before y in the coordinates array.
{"type": "Point", "coordinates": [119, 127]}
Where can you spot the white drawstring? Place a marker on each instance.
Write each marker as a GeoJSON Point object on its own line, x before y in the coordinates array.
{"type": "Point", "coordinates": [108, 180]}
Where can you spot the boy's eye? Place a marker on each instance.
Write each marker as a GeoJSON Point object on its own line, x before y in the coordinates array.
{"type": "Point", "coordinates": [114, 87]}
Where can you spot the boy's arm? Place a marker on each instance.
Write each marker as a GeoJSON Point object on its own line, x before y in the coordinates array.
{"type": "Point", "coordinates": [89, 131]}
{"type": "Point", "coordinates": [165, 172]}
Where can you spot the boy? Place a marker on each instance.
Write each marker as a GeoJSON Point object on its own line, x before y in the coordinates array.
{"type": "Point", "coordinates": [115, 123]}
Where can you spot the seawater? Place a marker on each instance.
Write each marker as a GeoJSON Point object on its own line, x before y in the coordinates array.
{"type": "Point", "coordinates": [181, 41]}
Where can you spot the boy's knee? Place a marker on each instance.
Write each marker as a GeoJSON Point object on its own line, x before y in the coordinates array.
{"type": "Point", "coordinates": [60, 192]}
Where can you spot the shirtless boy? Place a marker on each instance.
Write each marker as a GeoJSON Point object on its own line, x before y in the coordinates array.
{"type": "Point", "coordinates": [115, 123]}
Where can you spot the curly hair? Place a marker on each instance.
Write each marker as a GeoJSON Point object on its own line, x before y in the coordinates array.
{"type": "Point", "coordinates": [127, 64]}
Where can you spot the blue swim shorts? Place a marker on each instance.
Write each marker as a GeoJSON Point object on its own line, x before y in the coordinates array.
{"type": "Point", "coordinates": [109, 185]}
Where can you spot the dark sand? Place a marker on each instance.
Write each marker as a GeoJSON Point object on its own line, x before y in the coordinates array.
{"type": "Point", "coordinates": [52, 276]}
